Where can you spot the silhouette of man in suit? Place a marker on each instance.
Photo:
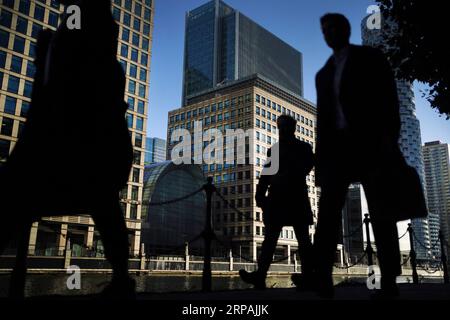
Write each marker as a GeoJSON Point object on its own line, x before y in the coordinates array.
{"type": "Point", "coordinates": [75, 153]}
{"type": "Point", "coordinates": [286, 202]}
{"type": "Point", "coordinates": [358, 127]}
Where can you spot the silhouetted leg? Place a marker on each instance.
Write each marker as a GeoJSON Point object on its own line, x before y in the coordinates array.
{"type": "Point", "coordinates": [304, 248]}
{"type": "Point", "coordinates": [272, 233]}
{"type": "Point", "coordinates": [110, 222]}
{"type": "Point", "coordinates": [18, 275]}
{"type": "Point", "coordinates": [329, 221]}
{"type": "Point", "coordinates": [386, 235]}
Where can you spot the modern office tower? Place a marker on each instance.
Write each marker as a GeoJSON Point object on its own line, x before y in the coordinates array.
{"type": "Point", "coordinates": [410, 142]}
{"type": "Point", "coordinates": [352, 221]}
{"type": "Point", "coordinates": [155, 150]}
{"type": "Point", "coordinates": [20, 23]}
{"type": "Point", "coordinates": [166, 228]}
{"type": "Point", "coordinates": [223, 45]}
{"type": "Point", "coordinates": [251, 105]}
{"type": "Point", "coordinates": [437, 177]}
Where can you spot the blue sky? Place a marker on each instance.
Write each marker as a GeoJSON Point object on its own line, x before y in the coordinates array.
{"type": "Point", "coordinates": [294, 21]}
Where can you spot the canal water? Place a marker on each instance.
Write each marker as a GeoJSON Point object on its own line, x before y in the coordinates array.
{"type": "Point", "coordinates": [56, 284]}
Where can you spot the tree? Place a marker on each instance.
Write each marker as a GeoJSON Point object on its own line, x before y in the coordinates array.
{"type": "Point", "coordinates": [418, 48]}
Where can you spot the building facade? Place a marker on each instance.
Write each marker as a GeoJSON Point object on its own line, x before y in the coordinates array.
{"type": "Point", "coordinates": [410, 143]}
{"type": "Point", "coordinates": [20, 23]}
{"type": "Point", "coordinates": [437, 177]}
{"type": "Point", "coordinates": [155, 150]}
{"type": "Point", "coordinates": [251, 105]}
{"type": "Point", "coordinates": [223, 45]}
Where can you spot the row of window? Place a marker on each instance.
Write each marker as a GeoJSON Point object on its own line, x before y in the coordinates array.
{"type": "Point", "coordinates": [13, 85]}
{"type": "Point", "coordinates": [133, 54]}
{"type": "Point", "coordinates": [246, 230]}
{"type": "Point", "coordinates": [137, 10]}
{"type": "Point", "coordinates": [11, 106]}
{"type": "Point", "coordinates": [22, 24]}
{"type": "Point", "coordinates": [224, 105]}
{"type": "Point", "coordinates": [276, 107]}
{"type": "Point", "coordinates": [18, 43]}
{"type": "Point", "coordinates": [7, 126]}
{"type": "Point", "coordinates": [17, 64]}
{"type": "Point", "coordinates": [243, 124]}
{"type": "Point", "coordinates": [126, 19]}
{"type": "Point", "coordinates": [138, 107]}
{"type": "Point", "coordinates": [135, 122]}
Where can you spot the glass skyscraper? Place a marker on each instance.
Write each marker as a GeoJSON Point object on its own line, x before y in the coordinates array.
{"type": "Point", "coordinates": [20, 23]}
{"type": "Point", "coordinates": [437, 176]}
{"type": "Point", "coordinates": [155, 150]}
{"type": "Point", "coordinates": [222, 45]}
{"type": "Point", "coordinates": [410, 141]}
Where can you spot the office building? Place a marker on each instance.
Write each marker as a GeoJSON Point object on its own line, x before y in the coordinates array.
{"type": "Point", "coordinates": [252, 103]}
{"type": "Point", "coordinates": [223, 45]}
{"type": "Point", "coordinates": [20, 23]}
{"type": "Point", "coordinates": [155, 150]}
{"type": "Point", "coordinates": [437, 178]}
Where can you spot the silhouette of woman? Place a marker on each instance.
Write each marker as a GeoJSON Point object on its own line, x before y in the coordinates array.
{"type": "Point", "coordinates": [75, 153]}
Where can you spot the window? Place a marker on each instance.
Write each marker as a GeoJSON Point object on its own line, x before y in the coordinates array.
{"type": "Point", "coordinates": [4, 39]}
{"type": "Point", "coordinates": [140, 123]}
{"type": "Point", "coordinates": [142, 90]}
{"type": "Point", "coordinates": [145, 44]}
{"type": "Point", "coordinates": [116, 14]}
{"type": "Point", "coordinates": [19, 44]}
{"type": "Point", "coordinates": [132, 87]}
{"type": "Point", "coordinates": [133, 211]}
{"type": "Point", "coordinates": [137, 24]}
{"type": "Point", "coordinates": [138, 140]}
{"type": "Point", "coordinates": [53, 19]}
{"type": "Point", "coordinates": [136, 174]}
{"type": "Point", "coordinates": [39, 13]}
{"type": "Point", "coordinates": [5, 19]}
{"type": "Point", "coordinates": [16, 64]}
{"type": "Point", "coordinates": [24, 7]}
{"type": "Point", "coordinates": [146, 29]}
{"type": "Point", "coordinates": [28, 89]}
{"type": "Point", "coordinates": [144, 59]}
{"type": "Point", "coordinates": [22, 25]}
{"type": "Point", "coordinates": [141, 107]}
{"type": "Point", "coordinates": [134, 55]}
{"type": "Point", "coordinates": [124, 51]}
{"type": "Point", "coordinates": [130, 120]}
{"type": "Point", "coordinates": [126, 19]}
{"type": "Point", "coordinates": [4, 149]}
{"type": "Point", "coordinates": [31, 69]}
{"type": "Point", "coordinates": [136, 39]}
{"type": "Point", "coordinates": [143, 74]}
{"type": "Point", "coordinates": [130, 103]}
{"type": "Point", "coordinates": [2, 60]}
{"type": "Point", "coordinates": [24, 109]}
{"type": "Point", "coordinates": [128, 5]}
{"type": "Point", "coordinates": [125, 34]}
{"type": "Point", "coordinates": [147, 14]}
{"type": "Point", "coordinates": [137, 9]}
{"type": "Point", "coordinates": [13, 84]}
{"type": "Point", "coordinates": [6, 127]}
{"type": "Point", "coordinates": [133, 70]}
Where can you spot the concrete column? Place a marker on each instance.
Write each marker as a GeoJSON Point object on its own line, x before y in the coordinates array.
{"type": "Point", "coordinates": [186, 256]}
{"type": "Point", "coordinates": [89, 239]}
{"type": "Point", "coordinates": [254, 250]}
{"type": "Point", "coordinates": [231, 260]}
{"type": "Point", "coordinates": [61, 239]}
{"type": "Point", "coordinates": [33, 238]}
{"type": "Point", "coordinates": [288, 253]}
{"type": "Point", "coordinates": [135, 243]}
{"type": "Point", "coordinates": [67, 255]}
{"type": "Point", "coordinates": [142, 254]}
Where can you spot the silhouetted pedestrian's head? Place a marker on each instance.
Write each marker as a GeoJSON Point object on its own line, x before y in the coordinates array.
{"type": "Point", "coordinates": [336, 30]}
{"type": "Point", "coordinates": [286, 126]}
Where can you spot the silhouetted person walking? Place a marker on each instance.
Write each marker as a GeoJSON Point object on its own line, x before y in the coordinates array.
{"type": "Point", "coordinates": [75, 153]}
{"type": "Point", "coordinates": [286, 202]}
{"type": "Point", "coordinates": [358, 127]}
